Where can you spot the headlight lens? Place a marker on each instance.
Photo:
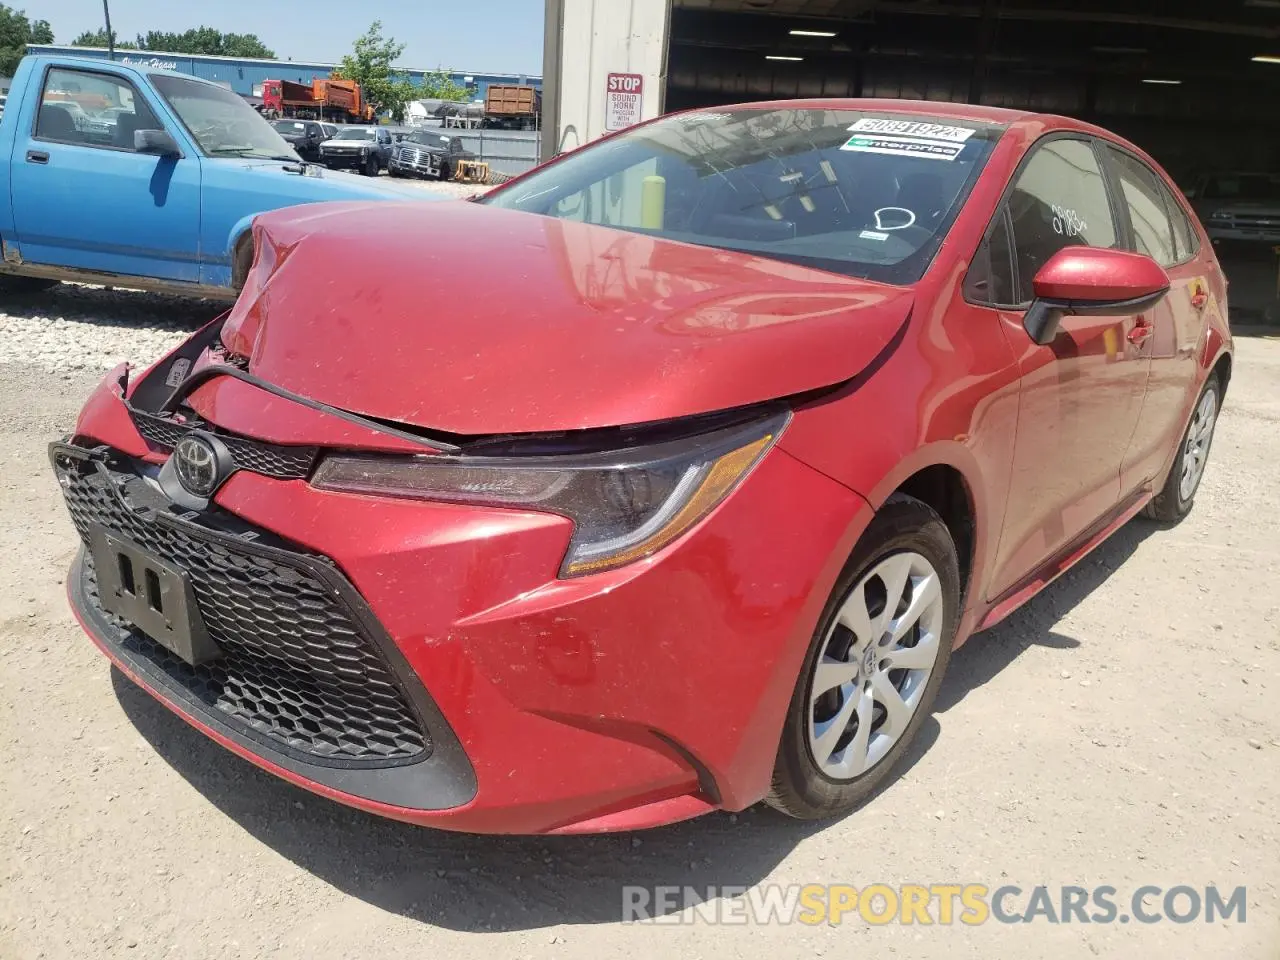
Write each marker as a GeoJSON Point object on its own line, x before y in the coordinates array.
{"type": "Point", "coordinates": [625, 505]}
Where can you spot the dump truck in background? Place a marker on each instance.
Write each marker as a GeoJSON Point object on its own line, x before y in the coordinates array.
{"type": "Point", "coordinates": [330, 100]}
{"type": "Point", "coordinates": [342, 98]}
{"type": "Point", "coordinates": [512, 107]}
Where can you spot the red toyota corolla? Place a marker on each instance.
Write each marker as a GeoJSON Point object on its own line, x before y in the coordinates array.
{"type": "Point", "coordinates": [663, 479]}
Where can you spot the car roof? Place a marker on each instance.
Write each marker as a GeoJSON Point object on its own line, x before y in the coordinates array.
{"type": "Point", "coordinates": [1027, 120]}
{"type": "Point", "coordinates": [932, 108]}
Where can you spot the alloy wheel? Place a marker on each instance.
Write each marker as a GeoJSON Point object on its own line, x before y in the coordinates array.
{"type": "Point", "coordinates": [876, 660]}
{"type": "Point", "coordinates": [1196, 452]}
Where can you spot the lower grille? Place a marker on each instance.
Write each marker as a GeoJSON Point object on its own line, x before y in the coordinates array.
{"type": "Point", "coordinates": [298, 670]}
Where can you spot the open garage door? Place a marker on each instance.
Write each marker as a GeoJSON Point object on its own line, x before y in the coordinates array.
{"type": "Point", "coordinates": [1196, 84]}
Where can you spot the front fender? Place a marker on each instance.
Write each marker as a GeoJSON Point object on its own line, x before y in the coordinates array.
{"type": "Point", "coordinates": [234, 192]}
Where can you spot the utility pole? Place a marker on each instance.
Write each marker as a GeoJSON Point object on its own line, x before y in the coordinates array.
{"type": "Point", "coordinates": [111, 37]}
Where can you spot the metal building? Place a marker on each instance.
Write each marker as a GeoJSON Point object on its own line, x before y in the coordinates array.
{"type": "Point", "coordinates": [245, 76]}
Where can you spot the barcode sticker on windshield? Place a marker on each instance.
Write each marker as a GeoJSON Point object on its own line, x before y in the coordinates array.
{"type": "Point", "coordinates": [913, 128]}
{"type": "Point", "coordinates": [904, 146]}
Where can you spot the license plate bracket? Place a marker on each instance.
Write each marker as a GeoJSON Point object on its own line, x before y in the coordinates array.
{"type": "Point", "coordinates": [152, 594]}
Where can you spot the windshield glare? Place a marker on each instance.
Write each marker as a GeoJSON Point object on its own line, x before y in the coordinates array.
{"type": "Point", "coordinates": [354, 133]}
{"type": "Point", "coordinates": [428, 136]}
{"type": "Point", "coordinates": [1243, 186]}
{"type": "Point", "coordinates": [221, 122]}
{"type": "Point", "coordinates": [863, 194]}
{"type": "Point", "coordinates": [289, 126]}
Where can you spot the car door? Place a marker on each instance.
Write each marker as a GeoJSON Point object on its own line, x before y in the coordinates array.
{"type": "Point", "coordinates": [1160, 228]}
{"type": "Point", "coordinates": [315, 136]}
{"type": "Point", "coordinates": [1080, 397]}
{"type": "Point", "coordinates": [84, 198]}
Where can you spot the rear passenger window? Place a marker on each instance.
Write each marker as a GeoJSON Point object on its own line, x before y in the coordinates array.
{"type": "Point", "coordinates": [1148, 204]}
{"type": "Point", "coordinates": [1183, 233]}
{"type": "Point", "coordinates": [1058, 201]}
{"type": "Point", "coordinates": [91, 109]}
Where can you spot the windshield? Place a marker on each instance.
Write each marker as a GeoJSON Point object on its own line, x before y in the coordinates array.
{"type": "Point", "coordinates": [841, 190]}
{"type": "Point", "coordinates": [1243, 186]}
{"type": "Point", "coordinates": [221, 122]}
{"type": "Point", "coordinates": [290, 126]}
{"type": "Point", "coordinates": [428, 136]}
{"type": "Point", "coordinates": [354, 133]}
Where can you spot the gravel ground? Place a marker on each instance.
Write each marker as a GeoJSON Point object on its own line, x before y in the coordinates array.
{"type": "Point", "coordinates": [1122, 729]}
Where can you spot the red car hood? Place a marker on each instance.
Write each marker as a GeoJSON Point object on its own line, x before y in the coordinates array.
{"type": "Point", "coordinates": [474, 320]}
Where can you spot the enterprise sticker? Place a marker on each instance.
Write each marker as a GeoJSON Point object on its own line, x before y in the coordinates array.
{"type": "Point", "coordinates": [903, 146]}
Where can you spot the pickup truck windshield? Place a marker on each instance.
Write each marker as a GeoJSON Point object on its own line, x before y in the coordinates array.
{"type": "Point", "coordinates": [221, 122]}
{"type": "Point", "coordinates": [354, 133]}
{"type": "Point", "coordinates": [853, 192]}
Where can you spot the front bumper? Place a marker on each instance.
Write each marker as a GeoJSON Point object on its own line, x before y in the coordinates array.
{"type": "Point", "coordinates": [1243, 233]}
{"type": "Point", "coordinates": [614, 701]}
{"type": "Point", "coordinates": [422, 164]}
{"type": "Point", "coordinates": [336, 161]}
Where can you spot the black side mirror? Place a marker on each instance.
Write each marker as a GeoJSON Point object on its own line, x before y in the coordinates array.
{"type": "Point", "coordinates": [157, 142]}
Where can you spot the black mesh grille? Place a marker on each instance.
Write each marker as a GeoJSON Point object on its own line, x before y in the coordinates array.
{"type": "Point", "coordinates": [269, 459]}
{"type": "Point", "coordinates": [297, 669]}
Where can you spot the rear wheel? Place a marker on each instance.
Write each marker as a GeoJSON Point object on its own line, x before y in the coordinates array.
{"type": "Point", "coordinates": [242, 262]}
{"type": "Point", "coordinates": [874, 666]}
{"type": "Point", "coordinates": [1175, 499]}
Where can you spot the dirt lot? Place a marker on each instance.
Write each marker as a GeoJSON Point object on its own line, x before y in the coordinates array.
{"type": "Point", "coordinates": [1124, 729]}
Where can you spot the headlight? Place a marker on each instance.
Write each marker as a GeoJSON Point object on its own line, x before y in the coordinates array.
{"type": "Point", "coordinates": [624, 504]}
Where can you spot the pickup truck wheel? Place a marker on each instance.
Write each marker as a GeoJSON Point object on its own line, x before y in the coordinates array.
{"type": "Point", "coordinates": [21, 285]}
{"type": "Point", "coordinates": [241, 263]}
{"type": "Point", "coordinates": [370, 168]}
{"type": "Point", "coordinates": [445, 172]}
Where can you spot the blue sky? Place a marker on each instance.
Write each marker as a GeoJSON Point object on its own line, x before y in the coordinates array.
{"type": "Point", "coordinates": [502, 36]}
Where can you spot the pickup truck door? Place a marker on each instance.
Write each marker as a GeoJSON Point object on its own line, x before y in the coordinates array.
{"type": "Point", "coordinates": [84, 198]}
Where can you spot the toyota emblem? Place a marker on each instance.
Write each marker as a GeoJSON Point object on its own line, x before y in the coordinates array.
{"type": "Point", "coordinates": [195, 460]}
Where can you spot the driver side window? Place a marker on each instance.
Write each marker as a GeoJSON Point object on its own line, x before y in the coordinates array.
{"type": "Point", "coordinates": [91, 110]}
{"type": "Point", "coordinates": [1059, 200]}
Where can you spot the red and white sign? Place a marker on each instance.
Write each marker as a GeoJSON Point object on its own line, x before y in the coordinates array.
{"type": "Point", "coordinates": [624, 96]}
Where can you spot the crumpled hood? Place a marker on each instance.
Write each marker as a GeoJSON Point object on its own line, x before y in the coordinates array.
{"type": "Point", "coordinates": [474, 320]}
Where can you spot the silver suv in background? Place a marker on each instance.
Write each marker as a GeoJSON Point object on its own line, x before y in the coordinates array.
{"type": "Point", "coordinates": [367, 149]}
{"type": "Point", "coordinates": [1239, 206]}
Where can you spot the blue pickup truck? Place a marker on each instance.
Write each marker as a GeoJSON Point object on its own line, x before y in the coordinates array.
{"type": "Point", "coordinates": [142, 178]}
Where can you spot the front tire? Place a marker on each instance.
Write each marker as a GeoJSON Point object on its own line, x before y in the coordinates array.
{"type": "Point", "coordinates": [874, 666]}
{"type": "Point", "coordinates": [1175, 499]}
{"type": "Point", "coordinates": [370, 168]}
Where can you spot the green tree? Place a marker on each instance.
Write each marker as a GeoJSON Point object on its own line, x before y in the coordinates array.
{"type": "Point", "coordinates": [439, 85]}
{"type": "Point", "coordinates": [369, 64]}
{"type": "Point", "coordinates": [16, 31]}
{"type": "Point", "coordinates": [207, 40]}
{"type": "Point", "coordinates": [98, 38]}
